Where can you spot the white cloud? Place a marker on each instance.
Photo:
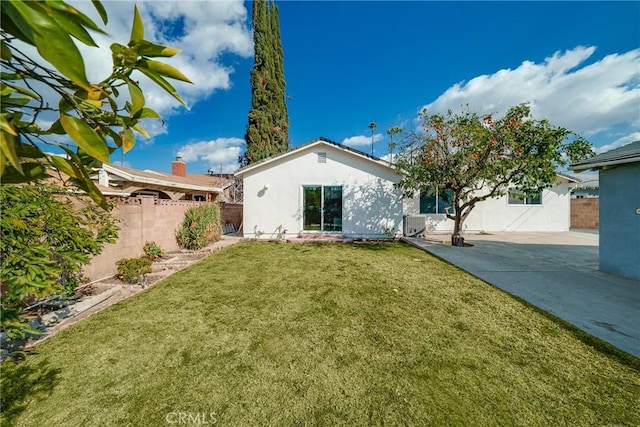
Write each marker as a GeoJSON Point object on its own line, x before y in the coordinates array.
{"type": "Point", "coordinates": [590, 99]}
{"type": "Point", "coordinates": [362, 140]}
{"type": "Point", "coordinates": [218, 153]}
{"type": "Point", "coordinates": [627, 139]}
{"type": "Point", "coordinates": [204, 30]}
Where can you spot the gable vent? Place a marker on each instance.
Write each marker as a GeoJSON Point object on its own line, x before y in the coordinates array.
{"type": "Point", "coordinates": [322, 157]}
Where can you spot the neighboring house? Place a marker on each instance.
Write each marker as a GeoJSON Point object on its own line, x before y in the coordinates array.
{"type": "Point", "coordinates": [124, 181]}
{"type": "Point", "coordinates": [322, 187]}
{"type": "Point", "coordinates": [547, 211]}
{"type": "Point", "coordinates": [587, 185]}
{"type": "Point", "coordinates": [619, 208]}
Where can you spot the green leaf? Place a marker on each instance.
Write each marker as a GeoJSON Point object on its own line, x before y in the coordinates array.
{"type": "Point", "coordinates": [29, 151]}
{"type": "Point", "coordinates": [65, 166]}
{"type": "Point", "coordinates": [141, 130]}
{"type": "Point", "coordinates": [64, 105]}
{"type": "Point", "coordinates": [101, 11]}
{"type": "Point", "coordinates": [128, 140]}
{"type": "Point", "coordinates": [75, 14]}
{"type": "Point", "coordinates": [85, 182]}
{"type": "Point", "coordinates": [137, 29]}
{"type": "Point", "coordinates": [31, 172]}
{"type": "Point", "coordinates": [5, 52]}
{"type": "Point", "coordinates": [85, 137]}
{"type": "Point", "coordinates": [53, 42]}
{"type": "Point", "coordinates": [146, 48]}
{"type": "Point", "coordinates": [22, 90]}
{"type": "Point", "coordinates": [156, 78]}
{"type": "Point", "coordinates": [73, 27]}
{"type": "Point", "coordinates": [15, 24]}
{"type": "Point", "coordinates": [117, 139]}
{"type": "Point", "coordinates": [56, 128]}
{"type": "Point", "coordinates": [147, 113]}
{"type": "Point", "coordinates": [6, 125]}
{"type": "Point", "coordinates": [14, 101]}
{"type": "Point", "coordinates": [137, 98]}
{"type": "Point", "coordinates": [163, 69]}
{"type": "Point", "coordinates": [8, 145]}
{"type": "Point", "coordinates": [92, 191]}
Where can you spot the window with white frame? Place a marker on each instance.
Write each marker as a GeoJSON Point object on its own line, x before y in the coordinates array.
{"type": "Point", "coordinates": [434, 202]}
{"type": "Point", "coordinates": [517, 197]}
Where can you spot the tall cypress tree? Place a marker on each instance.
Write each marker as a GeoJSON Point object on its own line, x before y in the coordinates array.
{"type": "Point", "coordinates": [268, 126]}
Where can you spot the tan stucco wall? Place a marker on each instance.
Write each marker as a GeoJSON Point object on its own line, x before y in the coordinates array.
{"type": "Point", "coordinates": [141, 220]}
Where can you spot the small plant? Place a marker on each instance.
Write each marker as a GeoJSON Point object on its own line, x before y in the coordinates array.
{"type": "Point", "coordinates": [152, 250]}
{"type": "Point", "coordinates": [200, 226]}
{"type": "Point", "coordinates": [389, 232]}
{"type": "Point", "coordinates": [130, 269]}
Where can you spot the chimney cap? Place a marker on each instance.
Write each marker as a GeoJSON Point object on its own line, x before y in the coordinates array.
{"type": "Point", "coordinates": [178, 158]}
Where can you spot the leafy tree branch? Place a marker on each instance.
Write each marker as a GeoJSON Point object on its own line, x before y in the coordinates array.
{"type": "Point", "coordinates": [473, 158]}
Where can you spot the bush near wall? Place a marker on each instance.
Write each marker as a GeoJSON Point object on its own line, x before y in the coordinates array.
{"type": "Point", "coordinates": [47, 236]}
{"type": "Point", "coordinates": [200, 227]}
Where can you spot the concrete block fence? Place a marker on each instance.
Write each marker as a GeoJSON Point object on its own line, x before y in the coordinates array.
{"type": "Point", "coordinates": [145, 219]}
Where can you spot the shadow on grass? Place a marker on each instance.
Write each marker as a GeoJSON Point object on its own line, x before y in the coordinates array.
{"type": "Point", "coordinates": [21, 384]}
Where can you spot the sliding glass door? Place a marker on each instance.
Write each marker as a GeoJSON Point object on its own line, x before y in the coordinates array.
{"type": "Point", "coordinates": [322, 208]}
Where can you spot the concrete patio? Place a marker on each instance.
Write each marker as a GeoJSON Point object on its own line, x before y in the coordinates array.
{"type": "Point", "coordinates": [557, 272]}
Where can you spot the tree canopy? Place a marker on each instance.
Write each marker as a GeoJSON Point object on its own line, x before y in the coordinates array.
{"type": "Point", "coordinates": [268, 122]}
{"type": "Point", "coordinates": [94, 116]}
{"type": "Point", "coordinates": [468, 157]}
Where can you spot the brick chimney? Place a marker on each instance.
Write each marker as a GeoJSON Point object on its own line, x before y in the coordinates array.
{"type": "Point", "coordinates": [178, 167]}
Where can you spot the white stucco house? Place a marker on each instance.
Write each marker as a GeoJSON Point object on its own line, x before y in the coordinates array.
{"type": "Point", "coordinates": [549, 211]}
{"type": "Point", "coordinates": [321, 187]}
{"type": "Point", "coordinates": [324, 187]}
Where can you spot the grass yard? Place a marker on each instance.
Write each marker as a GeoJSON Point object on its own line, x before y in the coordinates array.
{"type": "Point", "coordinates": [320, 334]}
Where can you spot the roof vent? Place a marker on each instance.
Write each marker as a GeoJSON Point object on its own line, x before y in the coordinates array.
{"type": "Point", "coordinates": [322, 157]}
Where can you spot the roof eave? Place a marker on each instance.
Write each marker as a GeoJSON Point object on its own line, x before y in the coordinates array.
{"type": "Point", "coordinates": [160, 182]}
{"type": "Point", "coordinates": [319, 141]}
{"type": "Point", "coordinates": [602, 164]}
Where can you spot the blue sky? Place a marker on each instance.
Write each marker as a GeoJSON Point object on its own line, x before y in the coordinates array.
{"type": "Point", "coordinates": [350, 63]}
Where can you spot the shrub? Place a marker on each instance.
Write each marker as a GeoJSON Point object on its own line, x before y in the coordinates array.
{"type": "Point", "coordinates": [152, 250]}
{"type": "Point", "coordinates": [48, 235]}
{"type": "Point", "coordinates": [130, 269]}
{"type": "Point", "coordinates": [201, 226]}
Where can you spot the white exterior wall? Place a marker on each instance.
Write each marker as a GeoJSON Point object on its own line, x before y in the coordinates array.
{"type": "Point", "coordinates": [370, 202]}
{"type": "Point", "coordinates": [497, 215]}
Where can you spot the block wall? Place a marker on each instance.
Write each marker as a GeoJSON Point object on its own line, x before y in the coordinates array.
{"type": "Point", "coordinates": [141, 220]}
{"type": "Point", "coordinates": [584, 213]}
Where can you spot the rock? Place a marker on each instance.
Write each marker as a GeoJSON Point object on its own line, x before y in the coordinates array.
{"type": "Point", "coordinates": [49, 319]}
{"type": "Point", "coordinates": [35, 324]}
{"type": "Point", "coordinates": [63, 313]}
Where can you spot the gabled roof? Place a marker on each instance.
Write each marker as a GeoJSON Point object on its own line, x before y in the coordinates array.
{"type": "Point", "coordinates": [568, 176]}
{"type": "Point", "coordinates": [161, 179]}
{"type": "Point", "coordinates": [318, 141]}
{"type": "Point", "coordinates": [629, 153]}
{"type": "Point", "coordinates": [583, 179]}
{"type": "Point", "coordinates": [211, 180]}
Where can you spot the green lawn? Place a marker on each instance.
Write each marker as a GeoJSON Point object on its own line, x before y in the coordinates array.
{"type": "Point", "coordinates": [321, 334]}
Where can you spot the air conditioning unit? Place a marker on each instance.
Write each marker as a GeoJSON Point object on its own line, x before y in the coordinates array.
{"type": "Point", "coordinates": [414, 226]}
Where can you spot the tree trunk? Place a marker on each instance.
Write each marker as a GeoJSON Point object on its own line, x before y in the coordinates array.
{"type": "Point", "coordinates": [456, 238]}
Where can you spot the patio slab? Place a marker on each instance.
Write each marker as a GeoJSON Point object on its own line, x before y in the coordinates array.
{"type": "Point", "coordinates": [557, 272]}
